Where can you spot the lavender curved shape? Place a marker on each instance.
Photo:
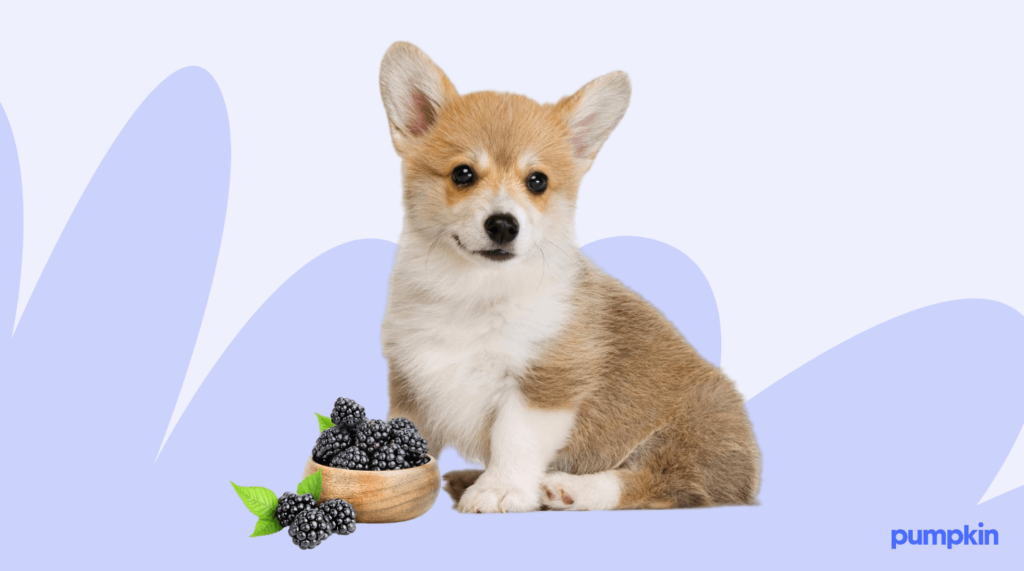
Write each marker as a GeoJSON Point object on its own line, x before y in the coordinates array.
{"type": "Point", "coordinates": [10, 230]}
{"type": "Point", "coordinates": [105, 340]}
{"type": "Point", "coordinates": [903, 426]}
{"type": "Point", "coordinates": [316, 338]}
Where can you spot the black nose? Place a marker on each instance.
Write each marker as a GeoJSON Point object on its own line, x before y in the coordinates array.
{"type": "Point", "coordinates": [502, 228]}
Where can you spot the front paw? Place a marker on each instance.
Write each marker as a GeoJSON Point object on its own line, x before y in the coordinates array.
{"type": "Point", "coordinates": [486, 498]}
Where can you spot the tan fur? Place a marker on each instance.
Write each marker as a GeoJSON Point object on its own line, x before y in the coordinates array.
{"type": "Point", "coordinates": [507, 126]}
{"type": "Point", "coordinates": [647, 404]}
{"type": "Point", "coordinates": [670, 423]}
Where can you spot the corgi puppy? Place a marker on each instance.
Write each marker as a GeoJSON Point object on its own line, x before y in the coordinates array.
{"type": "Point", "coordinates": [507, 344]}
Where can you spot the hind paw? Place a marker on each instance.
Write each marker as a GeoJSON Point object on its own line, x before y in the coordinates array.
{"type": "Point", "coordinates": [557, 492]}
{"type": "Point", "coordinates": [561, 491]}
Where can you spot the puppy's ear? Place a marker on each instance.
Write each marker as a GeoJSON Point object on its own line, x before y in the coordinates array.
{"type": "Point", "coordinates": [414, 91]}
{"type": "Point", "coordinates": [593, 112]}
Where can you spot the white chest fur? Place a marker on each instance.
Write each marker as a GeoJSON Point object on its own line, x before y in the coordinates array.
{"type": "Point", "coordinates": [461, 353]}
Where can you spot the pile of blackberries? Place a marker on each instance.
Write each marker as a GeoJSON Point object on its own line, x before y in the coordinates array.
{"type": "Point", "coordinates": [355, 443]}
{"type": "Point", "coordinates": [308, 524]}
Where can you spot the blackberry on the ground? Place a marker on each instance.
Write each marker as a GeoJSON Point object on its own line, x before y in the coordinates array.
{"type": "Point", "coordinates": [330, 443]}
{"type": "Point", "coordinates": [352, 458]}
{"type": "Point", "coordinates": [341, 515]}
{"type": "Point", "coordinates": [372, 435]}
{"type": "Point", "coordinates": [411, 443]}
{"type": "Point", "coordinates": [388, 457]}
{"type": "Point", "coordinates": [401, 424]}
{"type": "Point", "coordinates": [310, 528]}
{"type": "Point", "coordinates": [290, 505]}
{"type": "Point", "coordinates": [347, 413]}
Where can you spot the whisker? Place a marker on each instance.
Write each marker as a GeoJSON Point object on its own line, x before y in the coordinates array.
{"type": "Point", "coordinates": [567, 256]}
{"type": "Point", "coordinates": [426, 261]}
{"type": "Point", "coordinates": [544, 266]}
{"type": "Point", "coordinates": [417, 230]}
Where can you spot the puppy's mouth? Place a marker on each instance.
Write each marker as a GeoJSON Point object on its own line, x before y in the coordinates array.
{"type": "Point", "coordinates": [497, 255]}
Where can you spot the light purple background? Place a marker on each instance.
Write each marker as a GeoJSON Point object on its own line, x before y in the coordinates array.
{"type": "Point", "coordinates": [902, 426]}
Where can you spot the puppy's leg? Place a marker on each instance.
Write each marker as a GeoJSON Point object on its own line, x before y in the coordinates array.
{"type": "Point", "coordinates": [662, 474]}
{"type": "Point", "coordinates": [524, 441]}
{"type": "Point", "coordinates": [457, 481]}
{"type": "Point", "coordinates": [600, 491]}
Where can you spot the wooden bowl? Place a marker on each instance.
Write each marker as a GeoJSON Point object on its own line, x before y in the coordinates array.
{"type": "Point", "coordinates": [381, 497]}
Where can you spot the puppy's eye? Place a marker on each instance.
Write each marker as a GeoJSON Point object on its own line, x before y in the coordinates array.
{"type": "Point", "coordinates": [463, 175]}
{"type": "Point", "coordinates": [537, 182]}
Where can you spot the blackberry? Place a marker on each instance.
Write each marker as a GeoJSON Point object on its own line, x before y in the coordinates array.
{"type": "Point", "coordinates": [290, 505]}
{"type": "Point", "coordinates": [330, 443]}
{"type": "Point", "coordinates": [352, 458]}
{"type": "Point", "coordinates": [348, 413]}
{"type": "Point", "coordinates": [400, 424]}
{"type": "Point", "coordinates": [310, 528]}
{"type": "Point", "coordinates": [411, 443]}
{"type": "Point", "coordinates": [372, 435]}
{"type": "Point", "coordinates": [341, 515]}
{"type": "Point", "coordinates": [418, 462]}
{"type": "Point", "coordinates": [388, 457]}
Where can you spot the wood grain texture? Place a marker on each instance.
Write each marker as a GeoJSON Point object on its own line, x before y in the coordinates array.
{"type": "Point", "coordinates": [381, 497]}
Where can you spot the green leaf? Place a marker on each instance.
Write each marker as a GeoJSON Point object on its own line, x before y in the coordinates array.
{"type": "Point", "coordinates": [311, 484]}
{"type": "Point", "coordinates": [266, 526]}
{"type": "Point", "coordinates": [325, 422]}
{"type": "Point", "coordinates": [260, 501]}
